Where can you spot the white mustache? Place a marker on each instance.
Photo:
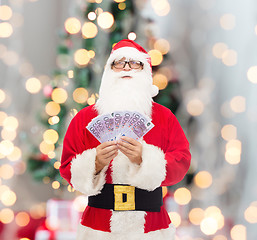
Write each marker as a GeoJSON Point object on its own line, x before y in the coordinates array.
{"type": "Point", "coordinates": [130, 73]}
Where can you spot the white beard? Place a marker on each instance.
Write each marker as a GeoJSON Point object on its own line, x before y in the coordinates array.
{"type": "Point", "coordinates": [131, 94]}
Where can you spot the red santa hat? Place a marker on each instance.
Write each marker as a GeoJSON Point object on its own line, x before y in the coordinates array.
{"type": "Point", "coordinates": [132, 50]}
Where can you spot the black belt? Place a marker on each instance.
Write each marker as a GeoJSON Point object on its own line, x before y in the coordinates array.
{"type": "Point", "coordinates": [127, 198]}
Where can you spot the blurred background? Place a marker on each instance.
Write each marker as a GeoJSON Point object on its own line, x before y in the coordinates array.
{"type": "Point", "coordinates": [204, 57]}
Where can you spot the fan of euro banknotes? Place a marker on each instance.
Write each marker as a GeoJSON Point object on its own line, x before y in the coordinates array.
{"type": "Point", "coordinates": [110, 127]}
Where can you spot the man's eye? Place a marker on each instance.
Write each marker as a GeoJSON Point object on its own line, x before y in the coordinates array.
{"type": "Point", "coordinates": [119, 63]}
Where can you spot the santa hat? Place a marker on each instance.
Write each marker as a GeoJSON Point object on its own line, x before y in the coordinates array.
{"type": "Point", "coordinates": [132, 50]}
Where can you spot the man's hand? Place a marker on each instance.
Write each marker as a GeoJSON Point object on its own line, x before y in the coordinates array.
{"type": "Point", "coordinates": [131, 148]}
{"type": "Point", "coordinates": [105, 152]}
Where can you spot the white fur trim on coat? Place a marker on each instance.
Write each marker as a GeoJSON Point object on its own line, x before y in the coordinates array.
{"type": "Point", "coordinates": [152, 171]}
{"type": "Point", "coordinates": [124, 222]}
{"type": "Point", "coordinates": [91, 234]}
{"type": "Point", "coordinates": [83, 176]}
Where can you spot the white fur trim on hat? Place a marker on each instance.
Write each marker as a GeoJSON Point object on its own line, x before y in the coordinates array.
{"type": "Point", "coordinates": [133, 53]}
{"type": "Point", "coordinates": [152, 171]}
{"type": "Point", "coordinates": [83, 176]}
{"type": "Point", "coordinates": [129, 53]}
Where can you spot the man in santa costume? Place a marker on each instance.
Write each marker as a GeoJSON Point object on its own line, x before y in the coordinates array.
{"type": "Point", "coordinates": [123, 178]}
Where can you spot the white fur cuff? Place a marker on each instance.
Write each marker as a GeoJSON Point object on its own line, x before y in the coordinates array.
{"type": "Point", "coordinates": [152, 171]}
{"type": "Point", "coordinates": [83, 176]}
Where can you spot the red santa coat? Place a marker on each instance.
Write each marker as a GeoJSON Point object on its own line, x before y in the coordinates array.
{"type": "Point", "coordinates": [165, 161]}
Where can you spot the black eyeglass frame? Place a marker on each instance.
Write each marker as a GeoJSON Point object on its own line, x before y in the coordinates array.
{"type": "Point", "coordinates": [127, 62]}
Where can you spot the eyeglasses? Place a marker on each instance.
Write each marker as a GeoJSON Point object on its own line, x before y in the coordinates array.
{"type": "Point", "coordinates": [132, 64]}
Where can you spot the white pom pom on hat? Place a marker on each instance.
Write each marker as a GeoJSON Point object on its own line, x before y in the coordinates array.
{"type": "Point", "coordinates": [132, 50]}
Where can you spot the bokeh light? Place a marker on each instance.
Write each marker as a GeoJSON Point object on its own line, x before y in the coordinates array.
{"type": "Point", "coordinates": [51, 136]}
{"type": "Point", "coordinates": [203, 179]}
{"type": "Point", "coordinates": [6, 215]}
{"type": "Point", "coordinates": [164, 191]}
{"type": "Point", "coordinates": [11, 58]}
{"type": "Point", "coordinates": [70, 188]}
{"type": "Point", "coordinates": [15, 155]}
{"type": "Point", "coordinates": [91, 16]}
{"type": "Point", "coordinates": [10, 123]}
{"type": "Point", "coordinates": [182, 196]}
{"type": "Point", "coordinates": [105, 20]}
{"type": "Point", "coordinates": [20, 167]}
{"type": "Point", "coordinates": [52, 108]}
{"type": "Point", "coordinates": [80, 202]}
{"type": "Point", "coordinates": [195, 107]}
{"type": "Point", "coordinates": [53, 120]}
{"type": "Point", "coordinates": [228, 21]}
{"type": "Point", "coordinates": [2, 96]}
{"type": "Point", "coordinates": [91, 100]}
{"type": "Point", "coordinates": [132, 36]}
{"type": "Point", "coordinates": [91, 53]}
{"type": "Point", "coordinates": [98, 11]}
{"type": "Point", "coordinates": [233, 151]}
{"type": "Point", "coordinates": [6, 30]}
{"type": "Point", "coordinates": [56, 185]}
{"type": "Point", "coordinates": [196, 215]}
{"type": "Point", "coordinates": [161, 7]}
{"type": "Point", "coordinates": [5, 12]}
{"type": "Point", "coordinates": [37, 211]}
{"type": "Point", "coordinates": [80, 95]}
{"type": "Point", "coordinates": [209, 226]}
{"type": "Point", "coordinates": [160, 81]}
{"type": "Point", "coordinates": [3, 188]}
{"type": "Point", "coordinates": [72, 25]}
{"type": "Point", "coordinates": [156, 57]}
{"type": "Point", "coordinates": [57, 165]}
{"type": "Point", "coordinates": [229, 57]}
{"type": "Point", "coordinates": [81, 57]}
{"type": "Point", "coordinates": [89, 30]}
{"type": "Point", "coordinates": [238, 104]}
{"type": "Point", "coordinates": [252, 74]}
{"type": "Point", "coordinates": [8, 198]}
{"type": "Point", "coordinates": [215, 213]}
{"type": "Point", "coordinates": [219, 49]}
{"type": "Point", "coordinates": [6, 147]}
{"type": "Point", "coordinates": [122, 6]}
{"type": "Point", "coordinates": [250, 214]}
{"type": "Point", "coordinates": [70, 74]}
{"type": "Point", "coordinates": [22, 219]}
{"type": "Point", "coordinates": [51, 155]}
{"type": "Point", "coordinates": [33, 85]}
{"type": "Point", "coordinates": [238, 232]}
{"type": "Point", "coordinates": [229, 132]}
{"type": "Point", "coordinates": [162, 45]}
{"type": "Point", "coordinates": [8, 134]}
{"type": "Point", "coordinates": [6, 171]}
{"type": "Point", "coordinates": [45, 148]}
{"type": "Point", "coordinates": [59, 95]}
{"type": "Point", "coordinates": [175, 218]}
{"type": "Point", "coordinates": [3, 116]}
{"type": "Point", "coordinates": [219, 237]}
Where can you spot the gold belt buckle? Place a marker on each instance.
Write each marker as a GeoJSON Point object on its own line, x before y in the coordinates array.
{"type": "Point", "coordinates": [121, 192]}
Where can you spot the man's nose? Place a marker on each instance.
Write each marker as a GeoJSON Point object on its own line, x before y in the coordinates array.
{"type": "Point", "coordinates": [127, 67]}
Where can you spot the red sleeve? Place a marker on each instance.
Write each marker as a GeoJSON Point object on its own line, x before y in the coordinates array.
{"type": "Point", "coordinates": [73, 144]}
{"type": "Point", "coordinates": [177, 154]}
